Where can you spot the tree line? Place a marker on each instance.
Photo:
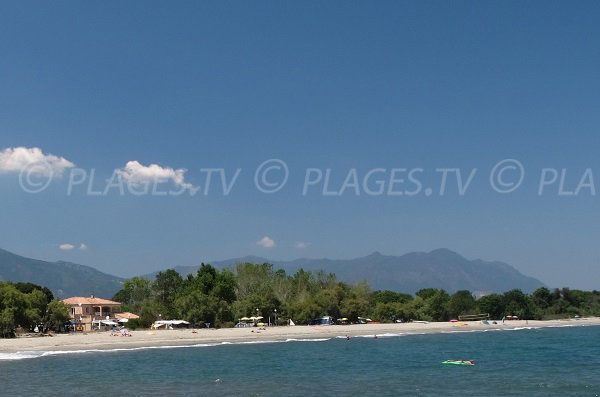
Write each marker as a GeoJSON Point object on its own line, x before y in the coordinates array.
{"type": "Point", "coordinates": [27, 305]}
{"type": "Point", "coordinates": [221, 297]}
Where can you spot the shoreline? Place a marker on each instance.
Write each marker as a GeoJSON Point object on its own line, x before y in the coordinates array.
{"type": "Point", "coordinates": [186, 337]}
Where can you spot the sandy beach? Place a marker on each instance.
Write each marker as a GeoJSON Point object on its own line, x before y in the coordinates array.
{"type": "Point", "coordinates": [183, 337]}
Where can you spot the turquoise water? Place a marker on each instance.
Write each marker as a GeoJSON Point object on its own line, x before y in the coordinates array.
{"type": "Point", "coordinates": [528, 362]}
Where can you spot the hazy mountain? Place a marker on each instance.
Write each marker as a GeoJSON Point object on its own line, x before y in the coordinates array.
{"type": "Point", "coordinates": [64, 279]}
{"type": "Point", "coordinates": [441, 268]}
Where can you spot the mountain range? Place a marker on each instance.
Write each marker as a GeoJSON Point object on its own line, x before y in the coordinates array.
{"type": "Point", "coordinates": [441, 268]}
{"type": "Point", "coordinates": [64, 279]}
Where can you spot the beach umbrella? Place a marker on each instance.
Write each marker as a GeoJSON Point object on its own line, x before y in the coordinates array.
{"type": "Point", "coordinates": [245, 319]}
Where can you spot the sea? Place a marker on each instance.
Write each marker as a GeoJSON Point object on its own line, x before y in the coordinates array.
{"type": "Point", "coordinates": [561, 361]}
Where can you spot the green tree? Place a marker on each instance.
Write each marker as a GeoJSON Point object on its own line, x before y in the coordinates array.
{"type": "Point", "coordinates": [357, 301]}
{"type": "Point", "coordinates": [390, 312]}
{"type": "Point", "coordinates": [492, 304]}
{"type": "Point", "coordinates": [166, 287]}
{"type": "Point", "coordinates": [542, 298]}
{"type": "Point", "coordinates": [416, 310]}
{"type": "Point", "coordinates": [150, 311]}
{"type": "Point", "coordinates": [7, 323]}
{"type": "Point", "coordinates": [57, 313]}
{"type": "Point", "coordinates": [461, 302]}
{"type": "Point", "coordinates": [253, 279]}
{"type": "Point", "coordinates": [198, 308]}
{"type": "Point", "coordinates": [436, 306]}
{"type": "Point", "coordinates": [135, 291]}
{"type": "Point", "coordinates": [37, 307]}
{"type": "Point", "coordinates": [391, 297]}
{"type": "Point", "coordinates": [28, 288]}
{"type": "Point", "coordinates": [516, 303]}
{"type": "Point", "coordinates": [426, 293]}
{"type": "Point", "coordinates": [16, 303]}
{"type": "Point", "coordinates": [225, 286]}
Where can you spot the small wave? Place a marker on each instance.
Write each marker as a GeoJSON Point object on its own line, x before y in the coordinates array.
{"type": "Point", "coordinates": [387, 335]}
{"type": "Point", "coordinates": [465, 331]}
{"type": "Point", "coordinates": [520, 328]}
{"type": "Point", "coordinates": [49, 353]}
{"type": "Point", "coordinates": [256, 342]}
{"type": "Point", "coordinates": [19, 355]}
{"type": "Point", "coordinates": [308, 340]}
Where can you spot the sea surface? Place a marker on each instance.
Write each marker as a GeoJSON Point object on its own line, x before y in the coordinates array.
{"type": "Point", "coordinates": [527, 362]}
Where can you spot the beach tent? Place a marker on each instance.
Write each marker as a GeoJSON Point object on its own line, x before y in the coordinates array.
{"type": "Point", "coordinates": [100, 323]}
{"type": "Point", "coordinates": [168, 323]}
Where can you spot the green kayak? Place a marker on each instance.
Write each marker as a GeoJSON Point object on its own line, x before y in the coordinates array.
{"type": "Point", "coordinates": [459, 362]}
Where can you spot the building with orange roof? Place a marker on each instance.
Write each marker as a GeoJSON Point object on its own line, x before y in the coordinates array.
{"type": "Point", "coordinates": [126, 315]}
{"type": "Point", "coordinates": [85, 311]}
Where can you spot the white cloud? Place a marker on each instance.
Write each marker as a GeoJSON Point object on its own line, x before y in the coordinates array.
{"type": "Point", "coordinates": [266, 242]}
{"type": "Point", "coordinates": [83, 247]}
{"type": "Point", "coordinates": [301, 244]}
{"type": "Point", "coordinates": [34, 160]}
{"type": "Point", "coordinates": [137, 174]}
{"type": "Point", "coordinates": [66, 247]}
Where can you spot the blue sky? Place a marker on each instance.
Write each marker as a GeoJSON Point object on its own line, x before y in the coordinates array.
{"type": "Point", "coordinates": [340, 86]}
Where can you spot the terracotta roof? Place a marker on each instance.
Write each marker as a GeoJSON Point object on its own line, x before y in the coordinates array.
{"type": "Point", "coordinates": [127, 315]}
{"type": "Point", "coordinates": [76, 300]}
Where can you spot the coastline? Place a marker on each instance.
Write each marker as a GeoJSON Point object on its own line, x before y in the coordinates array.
{"type": "Point", "coordinates": [185, 337]}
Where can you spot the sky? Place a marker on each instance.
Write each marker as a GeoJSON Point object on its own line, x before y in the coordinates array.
{"type": "Point", "coordinates": [140, 135]}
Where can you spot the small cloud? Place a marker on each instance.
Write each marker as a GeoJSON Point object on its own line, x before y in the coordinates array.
{"type": "Point", "coordinates": [66, 247]}
{"type": "Point", "coordinates": [266, 242]}
{"type": "Point", "coordinates": [83, 247]}
{"type": "Point", "coordinates": [301, 244]}
{"type": "Point", "coordinates": [137, 174]}
{"type": "Point", "coordinates": [34, 160]}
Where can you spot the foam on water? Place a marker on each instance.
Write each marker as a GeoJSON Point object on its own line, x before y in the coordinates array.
{"type": "Point", "coordinates": [19, 355]}
{"type": "Point", "coordinates": [385, 335]}
{"type": "Point", "coordinates": [38, 354]}
{"type": "Point", "coordinates": [48, 353]}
